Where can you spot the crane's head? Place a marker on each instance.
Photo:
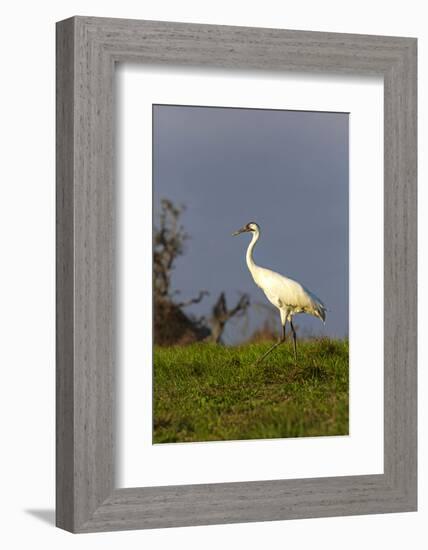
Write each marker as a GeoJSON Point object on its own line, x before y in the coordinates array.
{"type": "Point", "coordinates": [251, 227]}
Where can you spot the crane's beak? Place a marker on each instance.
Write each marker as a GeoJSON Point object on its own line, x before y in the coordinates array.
{"type": "Point", "coordinates": [242, 230]}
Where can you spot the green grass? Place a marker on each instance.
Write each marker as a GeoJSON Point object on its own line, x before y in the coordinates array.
{"type": "Point", "coordinates": [208, 392]}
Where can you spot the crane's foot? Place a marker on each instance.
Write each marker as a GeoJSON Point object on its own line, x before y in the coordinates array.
{"type": "Point", "coordinates": [295, 353]}
{"type": "Point", "coordinates": [260, 359]}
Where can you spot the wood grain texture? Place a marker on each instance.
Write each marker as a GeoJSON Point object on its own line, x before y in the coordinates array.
{"type": "Point", "coordinates": [87, 49]}
{"type": "Point", "coordinates": [64, 276]}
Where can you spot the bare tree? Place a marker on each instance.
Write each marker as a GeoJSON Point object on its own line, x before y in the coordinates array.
{"type": "Point", "coordinates": [221, 314]}
{"type": "Point", "coordinates": [169, 240]}
{"type": "Point", "coordinates": [171, 324]}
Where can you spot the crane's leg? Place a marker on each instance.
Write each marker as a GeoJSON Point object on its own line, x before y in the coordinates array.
{"type": "Point", "coordinates": [294, 339]}
{"type": "Point", "coordinates": [280, 341]}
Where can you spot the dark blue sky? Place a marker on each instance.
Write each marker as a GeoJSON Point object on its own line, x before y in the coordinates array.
{"type": "Point", "coordinates": [285, 170]}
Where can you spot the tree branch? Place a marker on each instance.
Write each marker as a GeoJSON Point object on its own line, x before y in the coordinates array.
{"type": "Point", "coordinates": [196, 300]}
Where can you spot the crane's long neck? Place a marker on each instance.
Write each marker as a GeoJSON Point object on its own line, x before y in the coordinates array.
{"type": "Point", "coordinates": [250, 260]}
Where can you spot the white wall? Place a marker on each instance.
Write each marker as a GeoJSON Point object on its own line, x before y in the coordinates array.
{"type": "Point", "coordinates": [27, 271]}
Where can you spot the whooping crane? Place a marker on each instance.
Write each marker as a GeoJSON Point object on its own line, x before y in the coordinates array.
{"type": "Point", "coordinates": [289, 296]}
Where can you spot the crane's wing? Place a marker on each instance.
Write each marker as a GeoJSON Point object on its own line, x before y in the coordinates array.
{"type": "Point", "coordinates": [286, 293]}
{"type": "Point", "coordinates": [319, 309]}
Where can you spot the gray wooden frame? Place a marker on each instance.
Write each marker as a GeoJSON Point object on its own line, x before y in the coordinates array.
{"type": "Point", "coordinates": [87, 50]}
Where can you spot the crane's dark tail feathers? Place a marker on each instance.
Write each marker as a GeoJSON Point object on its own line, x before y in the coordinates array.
{"type": "Point", "coordinates": [321, 311]}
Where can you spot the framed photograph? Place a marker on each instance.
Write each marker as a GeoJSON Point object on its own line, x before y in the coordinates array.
{"type": "Point", "coordinates": [236, 274]}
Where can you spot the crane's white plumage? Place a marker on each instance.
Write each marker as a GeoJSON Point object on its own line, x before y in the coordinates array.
{"type": "Point", "coordinates": [289, 296]}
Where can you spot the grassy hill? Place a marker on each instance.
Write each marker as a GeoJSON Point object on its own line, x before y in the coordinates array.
{"type": "Point", "coordinates": [208, 392]}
